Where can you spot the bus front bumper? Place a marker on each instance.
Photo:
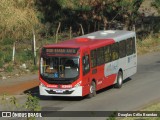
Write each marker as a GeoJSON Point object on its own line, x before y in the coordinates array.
{"type": "Point", "coordinates": [76, 91]}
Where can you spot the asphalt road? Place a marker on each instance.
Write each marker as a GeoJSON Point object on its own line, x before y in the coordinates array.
{"type": "Point", "coordinates": [139, 90]}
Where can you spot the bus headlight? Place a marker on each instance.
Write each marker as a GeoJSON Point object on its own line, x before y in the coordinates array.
{"type": "Point", "coordinates": [78, 84]}
{"type": "Point", "coordinates": [41, 84]}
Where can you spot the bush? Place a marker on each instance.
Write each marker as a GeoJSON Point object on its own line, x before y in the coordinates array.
{"type": "Point", "coordinates": [148, 45]}
{"type": "Point", "coordinates": [34, 68]}
{"type": "Point", "coordinates": [10, 68]}
{"type": "Point", "coordinates": [7, 58]}
{"type": "Point", "coordinates": [12, 103]}
{"type": "Point", "coordinates": [1, 64]}
{"type": "Point", "coordinates": [1, 59]}
{"type": "Point", "coordinates": [1, 54]}
{"type": "Point", "coordinates": [32, 103]}
{"type": "Point", "coordinates": [24, 56]}
{"type": "Point", "coordinates": [7, 41]}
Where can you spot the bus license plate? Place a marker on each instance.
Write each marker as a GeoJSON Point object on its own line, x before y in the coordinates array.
{"type": "Point", "coordinates": [59, 91]}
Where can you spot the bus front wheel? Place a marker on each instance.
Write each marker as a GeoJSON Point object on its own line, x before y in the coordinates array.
{"type": "Point", "coordinates": [119, 80]}
{"type": "Point", "coordinates": [92, 90]}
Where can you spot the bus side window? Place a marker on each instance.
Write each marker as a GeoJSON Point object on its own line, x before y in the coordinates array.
{"type": "Point", "coordinates": [133, 45]}
{"type": "Point", "coordinates": [107, 54]}
{"type": "Point", "coordinates": [94, 58]}
{"type": "Point", "coordinates": [129, 46]}
{"type": "Point", "coordinates": [100, 56]}
{"type": "Point", "coordinates": [86, 66]}
{"type": "Point", "coordinates": [115, 51]}
{"type": "Point", "coordinates": [122, 49]}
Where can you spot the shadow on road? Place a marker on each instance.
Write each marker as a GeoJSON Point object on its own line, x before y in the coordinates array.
{"type": "Point", "coordinates": [158, 62]}
{"type": "Point", "coordinates": [112, 86]}
{"type": "Point", "coordinates": [35, 92]}
{"type": "Point", "coordinates": [127, 80]}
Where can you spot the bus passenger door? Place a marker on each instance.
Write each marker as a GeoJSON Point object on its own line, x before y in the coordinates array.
{"type": "Point", "coordinates": [86, 73]}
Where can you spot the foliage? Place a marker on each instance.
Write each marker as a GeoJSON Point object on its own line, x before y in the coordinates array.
{"type": "Point", "coordinates": [12, 103]}
{"type": "Point", "coordinates": [5, 55]}
{"type": "Point", "coordinates": [1, 64]}
{"type": "Point", "coordinates": [1, 59]}
{"type": "Point", "coordinates": [149, 44]}
{"type": "Point", "coordinates": [153, 107]}
{"type": "Point", "coordinates": [112, 116]}
{"type": "Point", "coordinates": [10, 68]}
{"type": "Point", "coordinates": [9, 103]}
{"type": "Point", "coordinates": [32, 103]}
{"type": "Point", "coordinates": [34, 68]}
{"type": "Point", "coordinates": [4, 102]}
{"type": "Point", "coordinates": [5, 51]}
{"type": "Point", "coordinates": [7, 41]}
{"type": "Point", "coordinates": [92, 14]}
{"type": "Point", "coordinates": [24, 55]}
{"type": "Point", "coordinates": [156, 4]}
{"type": "Point", "coordinates": [18, 18]}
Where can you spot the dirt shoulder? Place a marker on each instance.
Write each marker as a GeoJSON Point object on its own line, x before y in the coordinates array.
{"type": "Point", "coordinates": [18, 85]}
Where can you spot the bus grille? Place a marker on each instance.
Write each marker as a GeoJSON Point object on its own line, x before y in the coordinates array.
{"type": "Point", "coordinates": [65, 81]}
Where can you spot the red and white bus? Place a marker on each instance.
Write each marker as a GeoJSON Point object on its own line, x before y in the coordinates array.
{"type": "Point", "coordinates": [88, 63]}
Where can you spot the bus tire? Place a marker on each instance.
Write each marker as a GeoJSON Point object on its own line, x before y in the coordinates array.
{"type": "Point", "coordinates": [92, 90]}
{"type": "Point", "coordinates": [119, 80]}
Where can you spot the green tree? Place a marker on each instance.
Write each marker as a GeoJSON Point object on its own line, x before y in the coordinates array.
{"type": "Point", "coordinates": [156, 4]}
{"type": "Point", "coordinates": [92, 14]}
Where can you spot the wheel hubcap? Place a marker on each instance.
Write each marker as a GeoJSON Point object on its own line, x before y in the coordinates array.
{"type": "Point", "coordinates": [120, 80]}
{"type": "Point", "coordinates": [91, 89]}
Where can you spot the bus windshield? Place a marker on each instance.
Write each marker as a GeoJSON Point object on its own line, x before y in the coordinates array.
{"type": "Point", "coordinates": [59, 67]}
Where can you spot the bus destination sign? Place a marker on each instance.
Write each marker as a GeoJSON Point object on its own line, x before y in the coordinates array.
{"type": "Point", "coordinates": [61, 50]}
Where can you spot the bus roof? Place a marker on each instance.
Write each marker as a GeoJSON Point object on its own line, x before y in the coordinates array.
{"type": "Point", "coordinates": [95, 39]}
{"type": "Point", "coordinates": [116, 35]}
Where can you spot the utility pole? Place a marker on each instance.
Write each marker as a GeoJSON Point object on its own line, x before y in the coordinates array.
{"type": "Point", "coordinates": [34, 46]}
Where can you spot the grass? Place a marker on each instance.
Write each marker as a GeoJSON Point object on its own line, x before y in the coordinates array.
{"type": "Point", "coordinates": [12, 103]}
{"type": "Point", "coordinates": [149, 44]}
{"type": "Point", "coordinates": [153, 107]}
{"type": "Point", "coordinates": [33, 68]}
{"type": "Point", "coordinates": [9, 69]}
{"type": "Point", "coordinates": [18, 17]}
{"type": "Point", "coordinates": [23, 55]}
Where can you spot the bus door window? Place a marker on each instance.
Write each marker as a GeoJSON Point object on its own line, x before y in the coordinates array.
{"type": "Point", "coordinates": [86, 66]}
{"type": "Point", "coordinates": [47, 65]}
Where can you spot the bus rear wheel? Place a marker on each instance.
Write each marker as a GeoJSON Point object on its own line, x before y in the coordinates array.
{"type": "Point", "coordinates": [119, 80]}
{"type": "Point", "coordinates": [92, 90]}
